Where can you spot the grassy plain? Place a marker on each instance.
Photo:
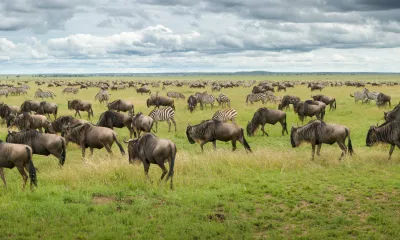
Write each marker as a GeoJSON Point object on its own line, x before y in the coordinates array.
{"type": "Point", "coordinates": [277, 192]}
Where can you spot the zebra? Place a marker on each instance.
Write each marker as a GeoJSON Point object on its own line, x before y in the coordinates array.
{"type": "Point", "coordinates": [223, 100]}
{"type": "Point", "coordinates": [225, 115]}
{"type": "Point", "coordinates": [255, 97]}
{"type": "Point", "coordinates": [175, 95]}
{"type": "Point", "coordinates": [4, 92]}
{"type": "Point", "coordinates": [164, 114]}
{"type": "Point", "coordinates": [370, 95]}
{"type": "Point", "coordinates": [102, 96]}
{"type": "Point", "coordinates": [204, 99]}
{"type": "Point", "coordinates": [41, 94]}
{"type": "Point", "coordinates": [358, 96]}
{"type": "Point", "coordinates": [70, 90]}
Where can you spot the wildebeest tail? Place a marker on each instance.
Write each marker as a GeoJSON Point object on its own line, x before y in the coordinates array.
{"type": "Point", "coordinates": [31, 167]}
{"type": "Point", "coordinates": [351, 95]}
{"type": "Point", "coordinates": [119, 144]}
{"type": "Point", "coordinates": [334, 103]}
{"type": "Point", "coordinates": [285, 125]}
{"type": "Point", "coordinates": [56, 112]}
{"type": "Point", "coordinates": [64, 152]}
{"type": "Point", "coordinates": [91, 111]}
{"type": "Point", "coordinates": [245, 143]}
{"type": "Point", "coordinates": [349, 145]}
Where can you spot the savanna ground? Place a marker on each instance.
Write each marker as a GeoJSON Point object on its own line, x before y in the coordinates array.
{"type": "Point", "coordinates": [277, 192]}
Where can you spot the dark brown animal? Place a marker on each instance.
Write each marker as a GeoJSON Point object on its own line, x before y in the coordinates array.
{"type": "Point", "coordinates": [79, 105]}
{"type": "Point", "coordinates": [121, 106]}
{"type": "Point", "coordinates": [141, 123]}
{"type": "Point", "coordinates": [263, 116]}
{"type": "Point", "coordinates": [111, 119]}
{"type": "Point", "coordinates": [48, 108]}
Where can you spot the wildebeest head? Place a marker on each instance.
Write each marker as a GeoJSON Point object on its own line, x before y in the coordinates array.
{"type": "Point", "coordinates": [76, 132]}
{"type": "Point", "coordinates": [188, 134]}
{"type": "Point", "coordinates": [371, 136]}
{"type": "Point", "coordinates": [250, 129]}
{"type": "Point", "coordinates": [294, 137]}
{"type": "Point", "coordinates": [133, 150]}
{"type": "Point", "coordinates": [10, 136]}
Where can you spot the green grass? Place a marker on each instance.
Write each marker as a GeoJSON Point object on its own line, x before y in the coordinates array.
{"type": "Point", "coordinates": [277, 192]}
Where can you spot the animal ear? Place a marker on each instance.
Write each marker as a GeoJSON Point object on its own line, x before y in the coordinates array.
{"type": "Point", "coordinates": [189, 125]}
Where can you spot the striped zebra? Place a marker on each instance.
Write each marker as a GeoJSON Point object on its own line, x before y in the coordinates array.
{"type": "Point", "coordinates": [4, 92]}
{"type": "Point", "coordinates": [204, 99]}
{"type": "Point", "coordinates": [164, 114]}
{"type": "Point", "coordinates": [102, 96]}
{"type": "Point", "coordinates": [175, 95]}
{"type": "Point", "coordinates": [41, 94]}
{"type": "Point", "coordinates": [370, 95]}
{"type": "Point", "coordinates": [225, 115]}
{"type": "Point", "coordinates": [70, 90]}
{"type": "Point", "coordinates": [255, 97]}
{"type": "Point", "coordinates": [223, 100]}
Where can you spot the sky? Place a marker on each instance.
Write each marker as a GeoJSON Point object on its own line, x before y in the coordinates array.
{"type": "Point", "coordinates": [144, 36]}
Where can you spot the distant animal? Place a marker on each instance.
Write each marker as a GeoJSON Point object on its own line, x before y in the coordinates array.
{"type": "Point", "coordinates": [256, 97]}
{"type": "Point", "coordinates": [287, 100]}
{"type": "Point", "coordinates": [41, 143]}
{"type": "Point", "coordinates": [383, 100]}
{"type": "Point", "coordinates": [213, 130]}
{"type": "Point", "coordinates": [111, 119]}
{"type": "Point", "coordinates": [48, 108]}
{"type": "Point", "coordinates": [204, 99]}
{"type": "Point", "coordinates": [121, 106]}
{"type": "Point", "coordinates": [164, 114]}
{"type": "Point", "coordinates": [177, 95]}
{"type": "Point", "coordinates": [281, 87]}
{"type": "Point", "coordinates": [225, 115]}
{"type": "Point", "coordinates": [150, 149]}
{"type": "Point", "coordinates": [263, 116]}
{"type": "Point", "coordinates": [102, 96]}
{"type": "Point", "coordinates": [25, 121]}
{"type": "Point", "coordinates": [305, 109]}
{"type": "Point", "coordinates": [4, 92]}
{"type": "Point", "coordinates": [143, 90]}
{"type": "Point", "coordinates": [331, 101]}
{"type": "Point", "coordinates": [316, 87]}
{"type": "Point", "coordinates": [89, 136]}
{"type": "Point", "coordinates": [30, 106]}
{"type": "Point", "coordinates": [370, 95]}
{"type": "Point", "coordinates": [359, 96]}
{"type": "Point", "coordinates": [79, 105]}
{"type": "Point", "coordinates": [388, 132]}
{"type": "Point", "coordinates": [158, 101]}
{"type": "Point", "coordinates": [141, 123]}
{"type": "Point", "coordinates": [318, 132]}
{"type": "Point", "coordinates": [70, 90]}
{"type": "Point", "coordinates": [20, 156]}
{"type": "Point", "coordinates": [223, 100]}
{"type": "Point", "coordinates": [192, 103]}
{"type": "Point", "coordinates": [44, 94]}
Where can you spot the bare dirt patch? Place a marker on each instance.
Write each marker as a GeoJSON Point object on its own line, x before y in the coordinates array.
{"type": "Point", "coordinates": [102, 200]}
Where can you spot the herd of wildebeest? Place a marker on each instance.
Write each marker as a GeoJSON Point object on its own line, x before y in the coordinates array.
{"type": "Point", "coordinates": [30, 119]}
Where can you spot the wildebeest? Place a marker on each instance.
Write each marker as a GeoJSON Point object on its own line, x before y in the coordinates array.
{"type": "Point", "coordinates": [306, 109]}
{"type": "Point", "coordinates": [30, 106]}
{"type": "Point", "coordinates": [20, 156]}
{"type": "Point", "coordinates": [388, 132]}
{"type": "Point", "coordinates": [383, 99]}
{"type": "Point", "coordinates": [111, 119]}
{"type": "Point", "coordinates": [143, 90]}
{"type": "Point", "coordinates": [331, 101]}
{"type": "Point", "coordinates": [318, 132]}
{"type": "Point", "coordinates": [79, 105]}
{"type": "Point", "coordinates": [48, 108]}
{"type": "Point", "coordinates": [141, 123]}
{"type": "Point", "coordinates": [393, 115]}
{"type": "Point", "coordinates": [286, 100]}
{"type": "Point", "coordinates": [213, 130]}
{"type": "Point", "coordinates": [158, 101]}
{"type": "Point", "coordinates": [41, 143]}
{"type": "Point", "coordinates": [61, 124]}
{"type": "Point", "coordinates": [121, 106]}
{"type": "Point", "coordinates": [25, 121]}
{"type": "Point", "coordinates": [315, 87]}
{"type": "Point", "coordinates": [192, 103]}
{"type": "Point", "coordinates": [151, 149]}
{"type": "Point", "coordinates": [7, 112]}
{"type": "Point", "coordinates": [89, 136]}
{"type": "Point", "coordinates": [263, 116]}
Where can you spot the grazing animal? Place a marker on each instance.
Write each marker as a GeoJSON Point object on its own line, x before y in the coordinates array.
{"type": "Point", "coordinates": [25, 121]}
{"type": "Point", "coordinates": [223, 100]}
{"type": "Point", "coordinates": [143, 90]}
{"type": "Point", "coordinates": [287, 100]}
{"type": "Point", "coordinates": [306, 109]}
{"type": "Point", "coordinates": [42, 94]}
{"type": "Point", "coordinates": [192, 103]}
{"type": "Point", "coordinates": [158, 101]}
{"type": "Point", "coordinates": [79, 105]}
{"type": "Point", "coordinates": [141, 123]}
{"type": "Point", "coordinates": [41, 143]}
{"type": "Point", "coordinates": [163, 114]}
{"type": "Point", "coordinates": [316, 87]}
{"type": "Point", "coordinates": [111, 119]}
{"type": "Point", "coordinates": [204, 99]}
{"type": "Point", "coordinates": [30, 106]}
{"type": "Point", "coordinates": [4, 92]}
{"type": "Point", "coordinates": [70, 90]}
{"type": "Point", "coordinates": [383, 99]}
{"type": "Point", "coordinates": [61, 124]}
{"type": "Point", "coordinates": [89, 136]}
{"type": "Point", "coordinates": [150, 149]}
{"type": "Point", "coordinates": [263, 116]}
{"type": "Point", "coordinates": [256, 97]}
{"type": "Point", "coordinates": [121, 106]}
{"type": "Point", "coordinates": [20, 156]}
{"type": "Point", "coordinates": [318, 132]}
{"type": "Point", "coordinates": [6, 112]}
{"type": "Point", "coordinates": [225, 115]}
{"type": "Point", "coordinates": [213, 130]}
{"type": "Point", "coordinates": [331, 101]}
{"type": "Point", "coordinates": [176, 95]}
{"type": "Point", "coordinates": [393, 115]}
{"type": "Point", "coordinates": [387, 133]}
{"type": "Point", "coordinates": [281, 87]}
{"type": "Point", "coordinates": [102, 96]}
{"type": "Point", "coordinates": [48, 108]}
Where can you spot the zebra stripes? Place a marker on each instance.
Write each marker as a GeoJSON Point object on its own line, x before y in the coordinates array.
{"type": "Point", "coordinates": [255, 97]}
{"type": "Point", "coordinates": [70, 90]}
{"type": "Point", "coordinates": [370, 95]}
{"type": "Point", "coordinates": [4, 92]}
{"type": "Point", "coordinates": [164, 114]}
{"type": "Point", "coordinates": [223, 100]}
{"type": "Point", "coordinates": [225, 115]}
{"type": "Point", "coordinates": [102, 96]}
{"type": "Point", "coordinates": [204, 99]}
{"type": "Point", "coordinates": [41, 94]}
{"type": "Point", "coordinates": [175, 95]}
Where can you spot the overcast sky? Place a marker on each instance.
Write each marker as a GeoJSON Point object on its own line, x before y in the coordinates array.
{"type": "Point", "coordinates": [84, 36]}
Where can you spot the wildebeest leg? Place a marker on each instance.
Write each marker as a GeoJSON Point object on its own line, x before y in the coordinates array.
{"type": "Point", "coordinates": [83, 151]}
{"type": "Point", "coordinates": [214, 144]}
{"type": "Point", "coordinates": [3, 178]}
{"type": "Point", "coordinates": [342, 146]}
{"type": "Point", "coordinates": [233, 145]}
{"type": "Point", "coordinates": [164, 169]}
{"type": "Point", "coordinates": [146, 166]}
{"type": "Point", "coordinates": [262, 129]}
{"type": "Point", "coordinates": [91, 151]}
{"type": "Point", "coordinates": [202, 144]}
{"type": "Point", "coordinates": [319, 149]}
{"type": "Point", "coordinates": [108, 148]}
{"type": "Point", "coordinates": [24, 176]}
{"type": "Point", "coordinates": [391, 150]}
{"type": "Point", "coordinates": [312, 151]}
{"type": "Point", "coordinates": [77, 111]}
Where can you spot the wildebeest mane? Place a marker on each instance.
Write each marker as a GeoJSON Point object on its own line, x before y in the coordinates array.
{"type": "Point", "coordinates": [61, 121]}
{"type": "Point", "coordinates": [79, 132]}
{"type": "Point", "coordinates": [24, 137]}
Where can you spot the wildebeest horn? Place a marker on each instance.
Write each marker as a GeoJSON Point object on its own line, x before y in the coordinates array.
{"type": "Point", "coordinates": [189, 125]}
{"type": "Point", "coordinates": [127, 141]}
